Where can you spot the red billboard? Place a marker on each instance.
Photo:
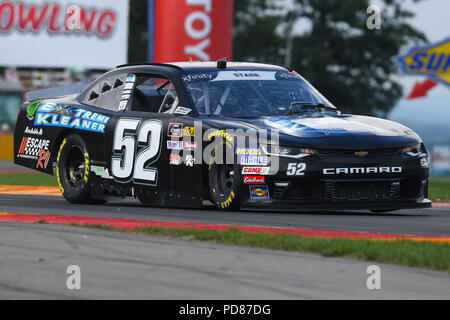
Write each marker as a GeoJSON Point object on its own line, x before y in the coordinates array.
{"type": "Point", "coordinates": [200, 30]}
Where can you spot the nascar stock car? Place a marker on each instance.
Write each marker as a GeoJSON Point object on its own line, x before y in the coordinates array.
{"type": "Point", "coordinates": [147, 131]}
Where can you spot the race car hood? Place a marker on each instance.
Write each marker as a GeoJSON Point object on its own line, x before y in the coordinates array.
{"type": "Point", "coordinates": [337, 132]}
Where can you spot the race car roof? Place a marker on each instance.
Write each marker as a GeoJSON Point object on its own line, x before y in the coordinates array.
{"type": "Point", "coordinates": [211, 65]}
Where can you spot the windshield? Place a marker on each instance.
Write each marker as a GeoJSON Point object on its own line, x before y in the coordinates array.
{"type": "Point", "coordinates": [253, 93]}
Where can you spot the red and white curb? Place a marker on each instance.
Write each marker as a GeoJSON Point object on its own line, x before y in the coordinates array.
{"type": "Point", "coordinates": [130, 224]}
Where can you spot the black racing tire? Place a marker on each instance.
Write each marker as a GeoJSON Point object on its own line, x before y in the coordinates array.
{"type": "Point", "coordinates": [224, 181]}
{"type": "Point", "coordinates": [73, 171]}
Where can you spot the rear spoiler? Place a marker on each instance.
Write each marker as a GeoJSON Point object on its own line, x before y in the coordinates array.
{"type": "Point", "coordinates": [57, 92]}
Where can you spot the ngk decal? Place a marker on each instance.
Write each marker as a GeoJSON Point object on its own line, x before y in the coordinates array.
{"type": "Point", "coordinates": [206, 25]}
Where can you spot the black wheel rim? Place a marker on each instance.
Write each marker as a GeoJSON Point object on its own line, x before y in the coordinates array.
{"type": "Point", "coordinates": [75, 166]}
{"type": "Point", "coordinates": [222, 178]}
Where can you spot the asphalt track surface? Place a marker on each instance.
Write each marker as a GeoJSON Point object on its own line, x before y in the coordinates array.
{"type": "Point", "coordinates": [9, 165]}
{"type": "Point", "coordinates": [433, 221]}
{"type": "Point", "coordinates": [114, 265]}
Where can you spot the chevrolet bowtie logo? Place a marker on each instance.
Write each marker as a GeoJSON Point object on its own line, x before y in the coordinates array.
{"type": "Point", "coordinates": [361, 153]}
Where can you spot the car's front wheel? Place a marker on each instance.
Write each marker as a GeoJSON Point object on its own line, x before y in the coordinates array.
{"type": "Point", "coordinates": [223, 181]}
{"type": "Point", "coordinates": [223, 186]}
{"type": "Point", "coordinates": [73, 170]}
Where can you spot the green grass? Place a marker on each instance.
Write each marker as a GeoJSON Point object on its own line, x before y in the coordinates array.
{"type": "Point", "coordinates": [28, 179]}
{"type": "Point", "coordinates": [439, 188]}
{"type": "Point", "coordinates": [403, 252]}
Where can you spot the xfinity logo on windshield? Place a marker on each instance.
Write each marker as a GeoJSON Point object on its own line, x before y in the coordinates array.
{"type": "Point", "coordinates": [200, 76]}
{"type": "Point", "coordinates": [332, 171]}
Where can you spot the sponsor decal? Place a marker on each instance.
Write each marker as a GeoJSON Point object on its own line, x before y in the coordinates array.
{"type": "Point", "coordinates": [432, 61]}
{"type": "Point", "coordinates": [195, 77]}
{"type": "Point", "coordinates": [248, 152]}
{"type": "Point", "coordinates": [34, 131]}
{"type": "Point", "coordinates": [256, 170]}
{"type": "Point", "coordinates": [362, 170]}
{"type": "Point", "coordinates": [31, 109]}
{"type": "Point", "coordinates": [245, 75]}
{"type": "Point", "coordinates": [175, 159]}
{"type": "Point", "coordinates": [189, 132]}
{"type": "Point", "coordinates": [190, 145]}
{"type": "Point", "coordinates": [123, 105]}
{"type": "Point", "coordinates": [175, 130]}
{"type": "Point", "coordinates": [220, 133]}
{"type": "Point", "coordinates": [175, 145]}
{"type": "Point", "coordinates": [228, 139]}
{"type": "Point", "coordinates": [101, 172]}
{"type": "Point", "coordinates": [259, 192]}
{"type": "Point", "coordinates": [254, 161]}
{"type": "Point", "coordinates": [50, 114]}
{"type": "Point", "coordinates": [126, 93]}
{"type": "Point", "coordinates": [183, 111]}
{"type": "Point", "coordinates": [30, 148]}
{"type": "Point", "coordinates": [189, 160]}
{"type": "Point", "coordinates": [43, 159]}
{"type": "Point", "coordinates": [254, 180]}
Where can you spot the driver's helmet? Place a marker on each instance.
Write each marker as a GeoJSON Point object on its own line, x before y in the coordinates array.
{"type": "Point", "coordinates": [231, 106]}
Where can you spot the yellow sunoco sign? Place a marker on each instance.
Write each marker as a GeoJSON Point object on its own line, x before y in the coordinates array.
{"type": "Point", "coordinates": [432, 61]}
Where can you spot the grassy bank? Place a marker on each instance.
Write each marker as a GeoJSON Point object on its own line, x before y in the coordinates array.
{"type": "Point", "coordinates": [27, 179]}
{"type": "Point", "coordinates": [403, 252]}
{"type": "Point", "coordinates": [439, 189]}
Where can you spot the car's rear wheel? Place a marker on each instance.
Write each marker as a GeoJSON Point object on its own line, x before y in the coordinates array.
{"type": "Point", "coordinates": [73, 171]}
{"type": "Point", "coordinates": [223, 182]}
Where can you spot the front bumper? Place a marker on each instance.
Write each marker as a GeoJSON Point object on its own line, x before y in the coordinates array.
{"type": "Point", "coordinates": [293, 205]}
{"type": "Point", "coordinates": [314, 189]}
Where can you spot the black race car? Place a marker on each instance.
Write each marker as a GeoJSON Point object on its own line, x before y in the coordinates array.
{"type": "Point", "coordinates": [242, 135]}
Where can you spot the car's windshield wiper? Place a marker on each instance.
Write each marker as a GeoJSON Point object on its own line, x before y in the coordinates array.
{"type": "Point", "coordinates": [309, 105]}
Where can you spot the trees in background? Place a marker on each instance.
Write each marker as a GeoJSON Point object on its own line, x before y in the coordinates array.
{"type": "Point", "coordinates": [138, 31]}
{"type": "Point", "coordinates": [328, 42]}
{"type": "Point", "coordinates": [331, 46]}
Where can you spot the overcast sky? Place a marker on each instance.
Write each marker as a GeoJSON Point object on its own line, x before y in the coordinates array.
{"type": "Point", "coordinates": [433, 18]}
